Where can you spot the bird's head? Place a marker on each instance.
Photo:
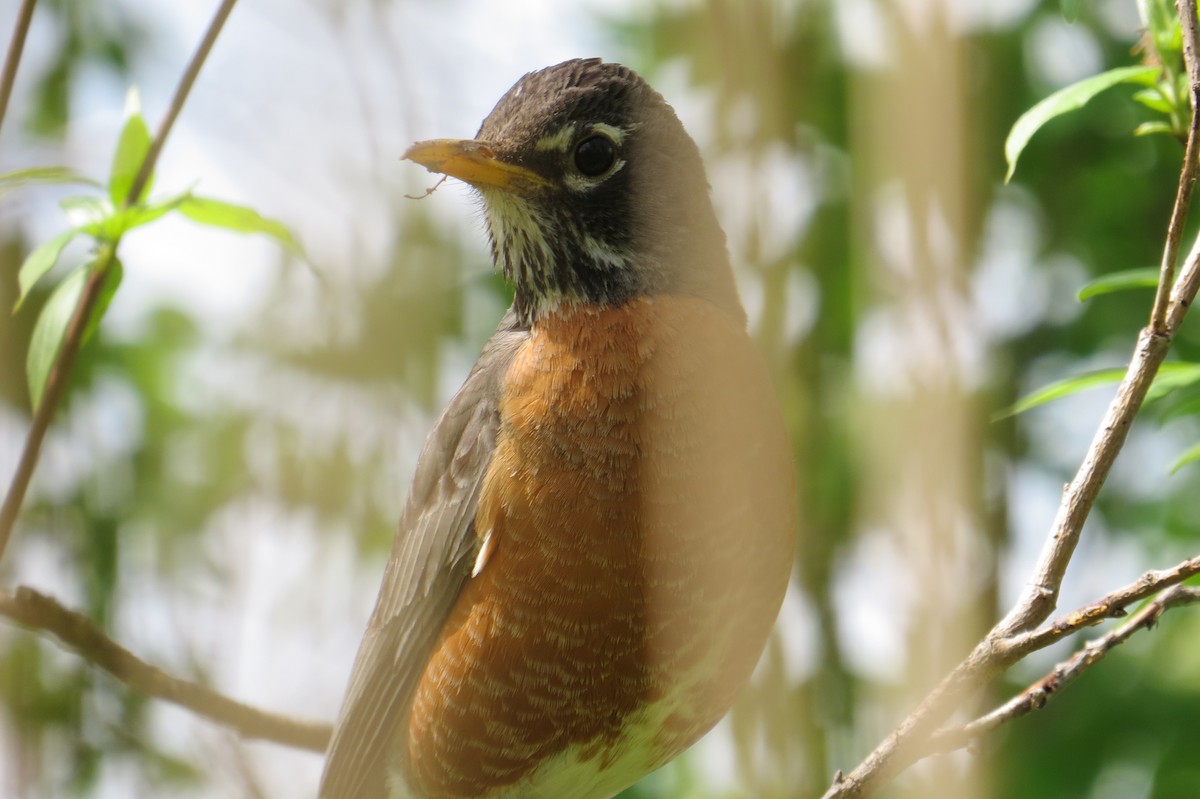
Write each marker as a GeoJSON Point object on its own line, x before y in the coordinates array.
{"type": "Point", "coordinates": [592, 192]}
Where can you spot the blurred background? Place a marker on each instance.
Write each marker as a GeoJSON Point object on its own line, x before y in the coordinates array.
{"type": "Point", "coordinates": [221, 488]}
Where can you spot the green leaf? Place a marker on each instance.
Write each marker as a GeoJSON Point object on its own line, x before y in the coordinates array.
{"type": "Point", "coordinates": [51, 326]}
{"type": "Point", "coordinates": [1192, 453]}
{"type": "Point", "coordinates": [125, 220]}
{"type": "Point", "coordinates": [1153, 99]}
{"type": "Point", "coordinates": [1060, 389]}
{"type": "Point", "coordinates": [1144, 277]}
{"type": "Point", "coordinates": [43, 174]}
{"type": "Point", "coordinates": [132, 147]}
{"type": "Point", "coordinates": [1068, 99]}
{"type": "Point", "coordinates": [1148, 128]}
{"type": "Point", "coordinates": [1171, 376]}
{"type": "Point", "coordinates": [39, 262]}
{"type": "Point", "coordinates": [49, 331]}
{"type": "Point", "coordinates": [238, 218]}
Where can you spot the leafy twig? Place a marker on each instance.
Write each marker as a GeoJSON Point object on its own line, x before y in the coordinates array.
{"type": "Point", "coordinates": [900, 748]}
{"type": "Point", "coordinates": [903, 746]}
{"type": "Point", "coordinates": [77, 632]}
{"type": "Point", "coordinates": [1187, 178]}
{"type": "Point", "coordinates": [92, 292]}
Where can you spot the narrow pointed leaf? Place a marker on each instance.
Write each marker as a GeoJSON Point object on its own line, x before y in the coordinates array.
{"type": "Point", "coordinates": [238, 218]}
{"type": "Point", "coordinates": [1154, 100]}
{"type": "Point", "coordinates": [39, 262]}
{"type": "Point", "coordinates": [1141, 278]}
{"type": "Point", "coordinates": [1150, 128]}
{"type": "Point", "coordinates": [1059, 389]}
{"type": "Point", "coordinates": [1171, 376]}
{"type": "Point", "coordinates": [49, 331]}
{"type": "Point", "coordinates": [132, 147]}
{"type": "Point", "coordinates": [1065, 100]}
{"type": "Point", "coordinates": [125, 220]}
{"type": "Point", "coordinates": [51, 327]}
{"type": "Point", "coordinates": [43, 174]}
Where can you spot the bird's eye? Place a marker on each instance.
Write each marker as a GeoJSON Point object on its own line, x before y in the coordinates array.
{"type": "Point", "coordinates": [595, 155]}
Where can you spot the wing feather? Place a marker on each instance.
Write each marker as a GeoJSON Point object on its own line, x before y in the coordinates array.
{"type": "Point", "coordinates": [431, 560]}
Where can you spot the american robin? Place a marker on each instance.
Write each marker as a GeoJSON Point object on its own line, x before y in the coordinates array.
{"type": "Point", "coordinates": [600, 529]}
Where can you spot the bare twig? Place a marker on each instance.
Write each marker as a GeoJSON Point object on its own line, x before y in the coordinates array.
{"type": "Point", "coordinates": [12, 59]}
{"type": "Point", "coordinates": [1185, 289]}
{"type": "Point", "coordinates": [1041, 692]}
{"type": "Point", "coordinates": [1111, 606]}
{"type": "Point", "coordinates": [57, 381]}
{"type": "Point", "coordinates": [181, 94]}
{"type": "Point", "coordinates": [898, 750]}
{"type": "Point", "coordinates": [914, 739]}
{"type": "Point", "coordinates": [902, 747]}
{"type": "Point", "coordinates": [77, 632]}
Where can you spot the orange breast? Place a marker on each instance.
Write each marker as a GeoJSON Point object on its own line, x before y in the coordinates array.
{"type": "Point", "coordinates": [641, 507]}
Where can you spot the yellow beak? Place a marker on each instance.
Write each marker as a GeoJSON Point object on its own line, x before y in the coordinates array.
{"type": "Point", "coordinates": [476, 163]}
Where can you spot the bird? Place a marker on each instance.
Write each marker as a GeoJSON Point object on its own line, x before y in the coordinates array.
{"type": "Point", "coordinates": [602, 523]}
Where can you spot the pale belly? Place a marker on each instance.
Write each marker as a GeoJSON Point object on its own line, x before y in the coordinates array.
{"type": "Point", "coordinates": [577, 773]}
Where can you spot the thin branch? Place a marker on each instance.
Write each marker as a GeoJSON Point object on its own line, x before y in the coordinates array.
{"type": "Point", "coordinates": [181, 94]}
{"type": "Point", "coordinates": [78, 634]}
{"type": "Point", "coordinates": [57, 381]}
{"type": "Point", "coordinates": [1036, 696]}
{"type": "Point", "coordinates": [1184, 292]}
{"type": "Point", "coordinates": [1185, 288]}
{"type": "Point", "coordinates": [1111, 606]}
{"type": "Point", "coordinates": [901, 748]}
{"type": "Point", "coordinates": [1041, 595]}
{"type": "Point", "coordinates": [909, 742]}
{"type": "Point", "coordinates": [12, 59]}
{"type": "Point", "coordinates": [1187, 179]}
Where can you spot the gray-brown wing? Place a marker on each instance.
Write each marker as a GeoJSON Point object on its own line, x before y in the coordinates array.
{"type": "Point", "coordinates": [431, 559]}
